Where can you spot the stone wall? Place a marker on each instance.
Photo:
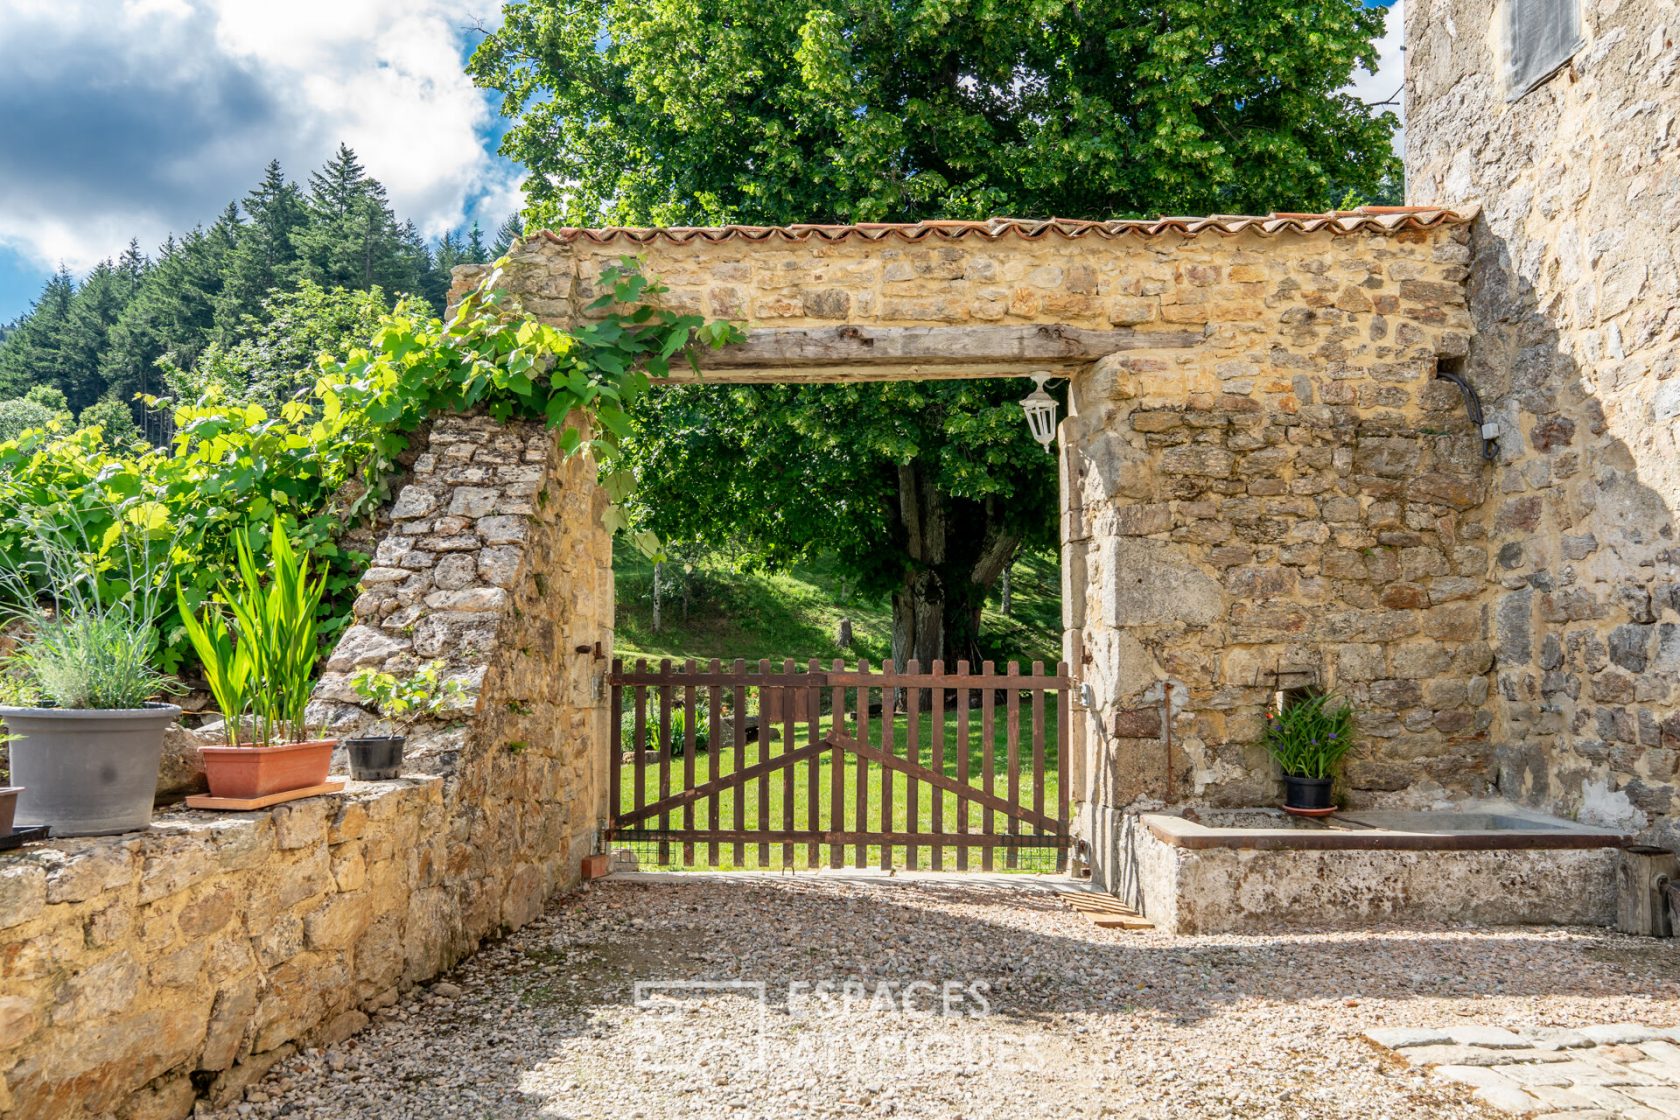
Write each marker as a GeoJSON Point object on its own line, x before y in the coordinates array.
{"type": "Point", "coordinates": [1270, 477]}
{"type": "Point", "coordinates": [1294, 502]}
{"type": "Point", "coordinates": [1577, 352]}
{"type": "Point", "coordinates": [140, 972]}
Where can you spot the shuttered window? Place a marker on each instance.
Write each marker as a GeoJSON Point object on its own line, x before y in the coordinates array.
{"type": "Point", "coordinates": [1541, 36]}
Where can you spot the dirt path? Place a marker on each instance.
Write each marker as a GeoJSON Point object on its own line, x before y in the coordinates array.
{"type": "Point", "coordinates": [965, 1000]}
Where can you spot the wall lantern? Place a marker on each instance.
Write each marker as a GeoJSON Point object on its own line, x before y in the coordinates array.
{"type": "Point", "coordinates": [1040, 408]}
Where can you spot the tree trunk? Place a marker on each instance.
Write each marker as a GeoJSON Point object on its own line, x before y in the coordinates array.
{"type": "Point", "coordinates": [957, 552]}
{"type": "Point", "coordinates": [1006, 603]}
{"type": "Point", "coordinates": [658, 569]}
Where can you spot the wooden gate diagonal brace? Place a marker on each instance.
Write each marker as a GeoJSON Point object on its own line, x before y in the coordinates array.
{"type": "Point", "coordinates": [933, 778]}
{"type": "Point", "coordinates": [718, 785]}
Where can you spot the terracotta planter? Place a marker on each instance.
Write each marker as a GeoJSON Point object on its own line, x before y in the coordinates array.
{"type": "Point", "coordinates": [8, 807]}
{"type": "Point", "coordinates": [246, 772]}
{"type": "Point", "coordinates": [596, 866]}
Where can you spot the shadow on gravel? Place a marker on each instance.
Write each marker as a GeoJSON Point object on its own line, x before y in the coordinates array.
{"type": "Point", "coordinates": [1040, 959]}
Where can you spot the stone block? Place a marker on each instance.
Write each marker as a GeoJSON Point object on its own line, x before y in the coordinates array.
{"type": "Point", "coordinates": [1150, 582]}
{"type": "Point", "coordinates": [23, 893]}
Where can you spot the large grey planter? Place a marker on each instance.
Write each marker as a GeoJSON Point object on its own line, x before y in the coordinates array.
{"type": "Point", "coordinates": [87, 772]}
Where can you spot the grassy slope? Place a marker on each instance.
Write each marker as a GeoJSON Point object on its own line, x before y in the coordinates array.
{"type": "Point", "coordinates": [796, 614]}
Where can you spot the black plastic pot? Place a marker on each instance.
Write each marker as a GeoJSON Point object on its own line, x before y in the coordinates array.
{"type": "Point", "coordinates": [1306, 793]}
{"type": "Point", "coordinates": [375, 758]}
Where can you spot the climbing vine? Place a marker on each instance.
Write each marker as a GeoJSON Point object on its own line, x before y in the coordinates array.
{"type": "Point", "coordinates": [326, 461]}
{"type": "Point", "coordinates": [492, 355]}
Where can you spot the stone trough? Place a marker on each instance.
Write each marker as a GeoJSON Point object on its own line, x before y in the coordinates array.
{"type": "Point", "coordinates": [1262, 870]}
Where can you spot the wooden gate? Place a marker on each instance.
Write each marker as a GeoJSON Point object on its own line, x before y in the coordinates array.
{"type": "Point", "coordinates": [717, 766]}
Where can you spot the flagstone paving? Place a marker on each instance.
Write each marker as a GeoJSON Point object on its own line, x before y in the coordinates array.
{"type": "Point", "coordinates": [1617, 1071]}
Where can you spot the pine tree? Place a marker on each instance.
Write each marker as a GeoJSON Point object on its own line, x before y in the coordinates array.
{"type": "Point", "coordinates": [97, 306]}
{"type": "Point", "coordinates": [174, 312]}
{"type": "Point", "coordinates": [511, 230]}
{"type": "Point", "coordinates": [450, 252]}
{"type": "Point", "coordinates": [414, 260]}
{"type": "Point", "coordinates": [352, 239]}
{"type": "Point", "coordinates": [476, 253]}
{"type": "Point", "coordinates": [266, 256]}
{"type": "Point", "coordinates": [132, 266]}
{"type": "Point", "coordinates": [32, 354]}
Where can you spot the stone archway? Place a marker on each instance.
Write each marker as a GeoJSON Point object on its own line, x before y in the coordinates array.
{"type": "Point", "coordinates": [1260, 474]}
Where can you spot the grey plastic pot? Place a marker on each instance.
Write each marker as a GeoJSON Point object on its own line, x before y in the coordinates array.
{"type": "Point", "coordinates": [87, 772]}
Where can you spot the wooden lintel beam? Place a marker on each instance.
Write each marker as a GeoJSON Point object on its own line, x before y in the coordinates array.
{"type": "Point", "coordinates": [851, 352]}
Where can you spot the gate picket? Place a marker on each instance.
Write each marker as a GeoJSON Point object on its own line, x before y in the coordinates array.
{"type": "Point", "coordinates": [936, 798]}
{"type": "Point", "coordinates": [988, 754]}
{"type": "Point", "coordinates": [739, 798]}
{"type": "Point", "coordinates": [1012, 728]}
{"type": "Point", "coordinates": [690, 738]}
{"type": "Point", "coordinates": [665, 813]}
{"type": "Point", "coordinates": [664, 750]}
{"type": "Point", "coordinates": [836, 771]}
{"type": "Point", "coordinates": [962, 765]}
{"type": "Point", "coordinates": [888, 722]}
{"type": "Point", "coordinates": [860, 857]}
{"type": "Point", "coordinates": [766, 727]}
{"type": "Point", "coordinates": [913, 752]}
{"type": "Point", "coordinates": [714, 744]}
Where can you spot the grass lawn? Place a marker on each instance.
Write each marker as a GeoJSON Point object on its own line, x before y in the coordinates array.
{"type": "Point", "coordinates": [795, 614]}
{"type": "Point", "coordinates": [787, 798]}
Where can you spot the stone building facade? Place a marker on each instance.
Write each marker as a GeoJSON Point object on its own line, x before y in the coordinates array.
{"type": "Point", "coordinates": [141, 972]}
{"type": "Point", "coordinates": [1265, 483]}
{"type": "Point", "coordinates": [1577, 356]}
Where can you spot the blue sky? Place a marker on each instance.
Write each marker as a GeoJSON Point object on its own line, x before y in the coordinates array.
{"type": "Point", "coordinates": [135, 118]}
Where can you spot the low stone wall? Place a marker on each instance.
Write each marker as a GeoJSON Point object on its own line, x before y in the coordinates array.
{"type": "Point", "coordinates": [1243, 890]}
{"type": "Point", "coordinates": [140, 972]}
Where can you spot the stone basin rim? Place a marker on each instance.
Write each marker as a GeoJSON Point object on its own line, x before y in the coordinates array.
{"type": "Point", "coordinates": [1548, 833]}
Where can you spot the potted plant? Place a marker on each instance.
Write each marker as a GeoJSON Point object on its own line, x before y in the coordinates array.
{"type": "Point", "coordinates": [1309, 737]}
{"type": "Point", "coordinates": [423, 694]}
{"type": "Point", "coordinates": [261, 669]}
{"type": "Point", "coordinates": [85, 732]}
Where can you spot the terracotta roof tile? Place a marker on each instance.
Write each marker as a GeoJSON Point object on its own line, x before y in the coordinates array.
{"type": "Point", "coordinates": [1366, 219]}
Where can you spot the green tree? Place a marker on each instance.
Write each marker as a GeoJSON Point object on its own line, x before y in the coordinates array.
{"type": "Point", "coordinates": [266, 255]}
{"type": "Point", "coordinates": [774, 111]}
{"type": "Point", "coordinates": [924, 491]}
{"type": "Point", "coordinates": [19, 415]}
{"type": "Point", "coordinates": [277, 353]}
{"type": "Point", "coordinates": [511, 229]}
{"type": "Point", "coordinates": [33, 353]}
{"type": "Point", "coordinates": [98, 305]}
{"type": "Point", "coordinates": [49, 396]}
{"type": "Point", "coordinates": [114, 420]}
{"type": "Point", "coordinates": [352, 239]}
{"type": "Point", "coordinates": [476, 251]}
{"type": "Point", "coordinates": [173, 314]}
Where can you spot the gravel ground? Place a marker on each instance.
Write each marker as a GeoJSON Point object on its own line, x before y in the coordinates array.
{"type": "Point", "coordinates": [1048, 1015]}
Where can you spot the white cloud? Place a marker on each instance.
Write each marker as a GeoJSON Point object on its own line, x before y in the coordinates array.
{"type": "Point", "coordinates": [146, 116]}
{"type": "Point", "coordinates": [1387, 84]}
